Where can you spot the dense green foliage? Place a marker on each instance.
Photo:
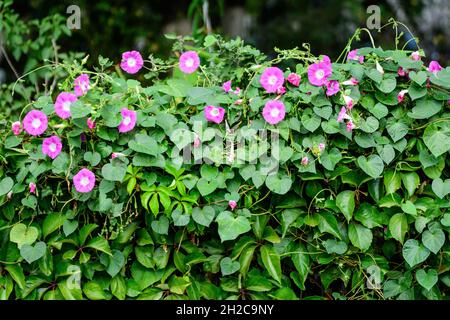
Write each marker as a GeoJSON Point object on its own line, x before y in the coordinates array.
{"type": "Point", "coordinates": [371, 207]}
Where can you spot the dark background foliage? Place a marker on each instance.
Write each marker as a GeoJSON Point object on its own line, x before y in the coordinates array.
{"type": "Point", "coordinates": [110, 27]}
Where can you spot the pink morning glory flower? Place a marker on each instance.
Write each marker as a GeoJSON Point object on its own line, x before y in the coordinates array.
{"type": "Point", "coordinates": [353, 55]}
{"type": "Point", "coordinates": [232, 204]}
{"type": "Point", "coordinates": [128, 120]}
{"type": "Point", "coordinates": [305, 161]}
{"type": "Point", "coordinates": [81, 85]}
{"type": "Point", "coordinates": [351, 82]}
{"type": "Point", "coordinates": [189, 61]}
{"type": "Point", "coordinates": [131, 62]}
{"type": "Point", "coordinates": [90, 123]}
{"type": "Point", "coordinates": [350, 126]}
{"type": "Point", "coordinates": [271, 79]}
{"type": "Point", "coordinates": [62, 104]}
{"type": "Point", "coordinates": [415, 56]}
{"type": "Point", "coordinates": [16, 128]}
{"type": "Point", "coordinates": [32, 187]}
{"type": "Point", "coordinates": [319, 72]}
{"type": "Point", "coordinates": [281, 90]}
{"type": "Point", "coordinates": [401, 72]}
{"type": "Point", "coordinates": [401, 96]}
{"type": "Point", "coordinates": [342, 115]}
{"type": "Point", "coordinates": [332, 87]}
{"type": "Point", "coordinates": [84, 181]}
{"type": "Point", "coordinates": [227, 86]}
{"type": "Point", "coordinates": [294, 79]}
{"type": "Point", "coordinates": [52, 146]}
{"type": "Point", "coordinates": [237, 91]}
{"type": "Point", "coordinates": [214, 114]}
{"type": "Point", "coordinates": [348, 101]}
{"type": "Point", "coordinates": [274, 111]}
{"type": "Point", "coordinates": [35, 122]}
{"type": "Point", "coordinates": [117, 154]}
{"type": "Point", "coordinates": [434, 67]}
{"type": "Point", "coordinates": [321, 147]}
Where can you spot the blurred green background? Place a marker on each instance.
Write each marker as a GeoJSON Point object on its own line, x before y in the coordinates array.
{"type": "Point", "coordinates": [109, 27]}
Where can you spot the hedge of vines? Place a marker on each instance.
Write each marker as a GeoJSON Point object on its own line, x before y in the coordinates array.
{"type": "Point", "coordinates": [225, 175]}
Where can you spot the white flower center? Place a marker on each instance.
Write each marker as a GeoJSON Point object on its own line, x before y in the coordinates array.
{"type": "Point", "coordinates": [320, 74]}
{"type": "Point", "coordinates": [272, 80]}
{"type": "Point", "coordinates": [131, 62]}
{"type": "Point", "coordinates": [52, 147]}
{"type": "Point", "coordinates": [84, 181]}
{"type": "Point", "coordinates": [274, 113]}
{"type": "Point", "coordinates": [66, 106]}
{"type": "Point", "coordinates": [36, 123]}
{"type": "Point", "coordinates": [189, 62]}
{"type": "Point", "coordinates": [215, 112]}
{"type": "Point", "coordinates": [126, 121]}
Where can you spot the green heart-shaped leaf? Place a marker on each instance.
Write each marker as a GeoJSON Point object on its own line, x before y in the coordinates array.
{"type": "Point", "coordinates": [345, 201]}
{"type": "Point", "coordinates": [21, 234]}
{"type": "Point", "coordinates": [6, 185]}
{"type": "Point", "coordinates": [427, 279]}
{"type": "Point", "coordinates": [414, 252]}
{"type": "Point", "coordinates": [373, 165]}
{"type": "Point", "coordinates": [278, 183]}
{"type": "Point", "coordinates": [433, 239]}
{"type": "Point", "coordinates": [69, 227]}
{"type": "Point", "coordinates": [425, 108]}
{"type": "Point", "coordinates": [324, 112]}
{"type": "Point", "coordinates": [310, 122]}
{"type": "Point", "coordinates": [228, 266]}
{"type": "Point", "coordinates": [229, 227]}
{"type": "Point", "coordinates": [161, 226]}
{"type": "Point", "coordinates": [437, 138]}
{"type": "Point", "coordinates": [418, 77]}
{"type": "Point", "coordinates": [180, 219]}
{"type": "Point", "coordinates": [441, 188]}
{"type": "Point", "coordinates": [30, 253]}
{"type": "Point", "coordinates": [206, 187]}
{"type": "Point", "coordinates": [203, 216]}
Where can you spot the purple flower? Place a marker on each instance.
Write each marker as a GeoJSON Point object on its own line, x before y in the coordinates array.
{"type": "Point", "coordinates": [305, 161]}
{"type": "Point", "coordinates": [232, 204]}
{"type": "Point", "coordinates": [84, 181]}
{"type": "Point", "coordinates": [131, 62]}
{"type": "Point", "coordinates": [32, 187]}
{"type": "Point", "coordinates": [271, 79]}
{"type": "Point", "coordinates": [350, 126]}
{"type": "Point", "coordinates": [321, 147]}
{"type": "Point", "coordinates": [274, 111]}
{"type": "Point", "coordinates": [16, 128]}
{"type": "Point", "coordinates": [52, 146]}
{"type": "Point", "coordinates": [227, 86]}
{"type": "Point", "coordinates": [319, 72]}
{"type": "Point", "coordinates": [214, 114]}
{"type": "Point", "coordinates": [90, 123]}
{"type": "Point", "coordinates": [342, 114]}
{"type": "Point", "coordinates": [128, 120]}
{"type": "Point", "coordinates": [62, 104]}
{"type": "Point", "coordinates": [415, 56]}
{"type": "Point", "coordinates": [189, 62]}
{"type": "Point", "coordinates": [434, 67]}
{"type": "Point", "coordinates": [332, 87]}
{"type": "Point", "coordinates": [294, 79]}
{"type": "Point", "coordinates": [81, 85]}
{"type": "Point", "coordinates": [353, 55]}
{"type": "Point", "coordinates": [35, 122]}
